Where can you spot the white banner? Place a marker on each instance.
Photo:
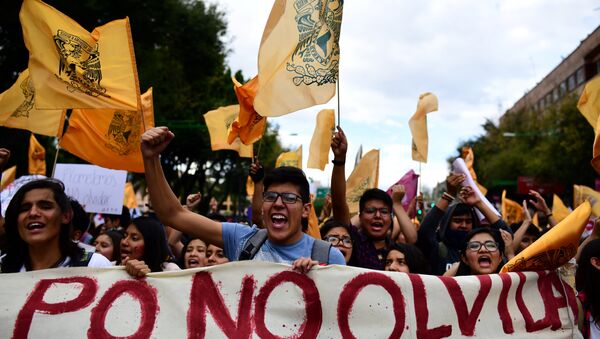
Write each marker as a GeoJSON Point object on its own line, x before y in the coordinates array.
{"type": "Point", "coordinates": [98, 190]}
{"type": "Point", "coordinates": [255, 299]}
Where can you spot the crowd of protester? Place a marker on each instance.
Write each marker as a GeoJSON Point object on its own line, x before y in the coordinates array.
{"type": "Point", "coordinates": [44, 228]}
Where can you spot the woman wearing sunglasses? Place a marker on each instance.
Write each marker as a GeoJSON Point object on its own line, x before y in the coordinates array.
{"type": "Point", "coordinates": [481, 253]}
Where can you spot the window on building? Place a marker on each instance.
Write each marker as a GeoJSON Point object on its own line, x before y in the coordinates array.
{"type": "Point", "coordinates": [571, 82]}
{"type": "Point", "coordinates": [548, 100]}
{"type": "Point", "coordinates": [580, 75]}
{"type": "Point", "coordinates": [562, 89]}
{"type": "Point", "coordinates": [555, 95]}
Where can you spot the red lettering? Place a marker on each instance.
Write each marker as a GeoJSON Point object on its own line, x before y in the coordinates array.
{"type": "Point", "coordinates": [140, 291]}
{"type": "Point", "coordinates": [507, 324]}
{"type": "Point", "coordinates": [422, 312]}
{"type": "Point", "coordinates": [353, 288]}
{"type": "Point", "coordinates": [530, 324]}
{"type": "Point", "coordinates": [35, 302]}
{"type": "Point", "coordinates": [466, 319]}
{"type": "Point", "coordinates": [553, 303]}
{"type": "Point", "coordinates": [314, 313]}
{"type": "Point", "coordinates": [205, 297]}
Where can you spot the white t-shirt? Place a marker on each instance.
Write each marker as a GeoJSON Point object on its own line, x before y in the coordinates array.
{"type": "Point", "coordinates": [97, 260]}
{"type": "Point", "coordinates": [594, 330]}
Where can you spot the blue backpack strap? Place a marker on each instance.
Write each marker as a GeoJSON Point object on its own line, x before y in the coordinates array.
{"type": "Point", "coordinates": [253, 244]}
{"type": "Point", "coordinates": [320, 251]}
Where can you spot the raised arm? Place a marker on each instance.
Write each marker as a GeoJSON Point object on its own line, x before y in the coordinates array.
{"type": "Point", "coordinates": [540, 204]}
{"type": "Point", "coordinates": [165, 203]}
{"type": "Point", "coordinates": [257, 174]}
{"type": "Point", "coordinates": [406, 226]}
{"type": "Point", "coordinates": [520, 233]}
{"type": "Point", "coordinates": [339, 207]}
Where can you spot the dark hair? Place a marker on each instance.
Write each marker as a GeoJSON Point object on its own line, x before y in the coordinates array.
{"type": "Point", "coordinates": [375, 194]}
{"type": "Point", "coordinates": [216, 217]}
{"type": "Point", "coordinates": [587, 278]}
{"type": "Point", "coordinates": [156, 250]}
{"type": "Point", "coordinates": [464, 269]}
{"type": "Point", "coordinates": [80, 220]}
{"type": "Point", "coordinates": [462, 209]}
{"type": "Point", "coordinates": [415, 260]}
{"type": "Point", "coordinates": [124, 217]}
{"type": "Point", "coordinates": [289, 175]}
{"type": "Point", "coordinates": [186, 243]}
{"type": "Point", "coordinates": [17, 250]}
{"type": "Point", "coordinates": [115, 237]}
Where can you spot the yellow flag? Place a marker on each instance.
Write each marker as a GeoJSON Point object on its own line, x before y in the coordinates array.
{"type": "Point", "coordinates": [299, 56]}
{"type": "Point", "coordinates": [555, 247]}
{"type": "Point", "coordinates": [313, 222]}
{"type": "Point", "coordinates": [293, 159]}
{"type": "Point", "coordinates": [249, 126]}
{"type": "Point", "coordinates": [318, 154]}
{"type": "Point", "coordinates": [8, 176]}
{"type": "Point", "coordinates": [589, 102]}
{"type": "Point", "coordinates": [512, 211]}
{"type": "Point", "coordinates": [363, 177]}
{"type": "Point", "coordinates": [428, 102]}
{"type": "Point", "coordinates": [582, 193]}
{"type": "Point", "coordinates": [17, 109]}
{"type": "Point", "coordinates": [72, 68]}
{"type": "Point", "coordinates": [559, 210]}
{"type": "Point", "coordinates": [469, 158]}
{"type": "Point", "coordinates": [109, 138]}
{"type": "Point", "coordinates": [129, 199]}
{"type": "Point", "coordinates": [535, 220]}
{"type": "Point", "coordinates": [37, 157]}
{"type": "Point", "coordinates": [218, 122]}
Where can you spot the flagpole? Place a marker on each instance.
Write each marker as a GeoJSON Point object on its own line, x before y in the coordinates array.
{"type": "Point", "coordinates": [255, 159]}
{"type": "Point", "coordinates": [338, 99]}
{"type": "Point", "coordinates": [420, 178]}
{"type": "Point", "coordinates": [55, 158]}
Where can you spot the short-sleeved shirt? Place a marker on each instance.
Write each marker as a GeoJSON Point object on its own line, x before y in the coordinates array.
{"type": "Point", "coordinates": [235, 236]}
{"type": "Point", "coordinates": [96, 260]}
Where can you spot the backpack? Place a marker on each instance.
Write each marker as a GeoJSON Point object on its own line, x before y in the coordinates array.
{"type": "Point", "coordinates": [319, 252]}
{"type": "Point", "coordinates": [83, 261]}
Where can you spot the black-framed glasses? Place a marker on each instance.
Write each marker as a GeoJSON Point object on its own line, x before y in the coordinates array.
{"type": "Point", "coordinates": [335, 240]}
{"type": "Point", "coordinates": [489, 245]}
{"type": "Point", "coordinates": [373, 210]}
{"type": "Point", "coordinates": [286, 197]}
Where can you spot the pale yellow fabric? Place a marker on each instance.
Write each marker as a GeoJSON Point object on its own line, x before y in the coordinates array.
{"type": "Point", "coordinates": [469, 158]}
{"type": "Point", "coordinates": [363, 177]}
{"type": "Point", "coordinates": [37, 157]}
{"type": "Point", "coordinates": [512, 211]}
{"type": "Point", "coordinates": [555, 247]}
{"type": "Point", "coordinates": [102, 74]}
{"type": "Point", "coordinates": [428, 102]}
{"type": "Point", "coordinates": [313, 222]}
{"type": "Point", "coordinates": [109, 138]}
{"type": "Point", "coordinates": [559, 209]}
{"type": "Point", "coordinates": [582, 193]}
{"type": "Point", "coordinates": [589, 106]}
{"type": "Point", "coordinates": [293, 158]}
{"type": "Point", "coordinates": [299, 56]}
{"type": "Point", "coordinates": [318, 154]}
{"type": "Point", "coordinates": [249, 126]}
{"type": "Point", "coordinates": [218, 122]}
{"type": "Point", "coordinates": [8, 176]}
{"type": "Point", "coordinates": [129, 199]}
{"type": "Point", "coordinates": [17, 109]}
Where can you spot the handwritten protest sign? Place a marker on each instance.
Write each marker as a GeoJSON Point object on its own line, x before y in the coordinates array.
{"type": "Point", "coordinates": [98, 189]}
{"type": "Point", "coordinates": [256, 299]}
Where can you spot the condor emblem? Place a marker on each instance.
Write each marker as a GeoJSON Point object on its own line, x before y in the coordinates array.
{"type": "Point", "coordinates": [123, 134]}
{"type": "Point", "coordinates": [79, 64]}
{"type": "Point", "coordinates": [318, 49]}
{"type": "Point", "coordinates": [28, 92]}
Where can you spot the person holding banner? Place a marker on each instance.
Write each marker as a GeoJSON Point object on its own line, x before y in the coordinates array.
{"type": "Point", "coordinates": [285, 203]}
{"type": "Point", "coordinates": [447, 224]}
{"type": "Point", "coordinates": [481, 252]}
{"type": "Point", "coordinates": [109, 245]}
{"type": "Point", "coordinates": [144, 248]}
{"type": "Point", "coordinates": [38, 230]}
{"type": "Point", "coordinates": [406, 258]}
{"type": "Point", "coordinates": [587, 281]}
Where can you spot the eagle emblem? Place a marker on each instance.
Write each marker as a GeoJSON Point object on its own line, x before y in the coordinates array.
{"type": "Point", "coordinates": [316, 57]}
{"type": "Point", "coordinates": [79, 65]}
{"type": "Point", "coordinates": [27, 104]}
{"type": "Point", "coordinates": [123, 135]}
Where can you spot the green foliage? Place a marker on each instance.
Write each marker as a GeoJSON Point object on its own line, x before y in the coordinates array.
{"type": "Point", "coordinates": [551, 146]}
{"type": "Point", "coordinates": [180, 53]}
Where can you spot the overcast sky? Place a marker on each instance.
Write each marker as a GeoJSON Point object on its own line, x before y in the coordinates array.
{"type": "Point", "coordinates": [478, 57]}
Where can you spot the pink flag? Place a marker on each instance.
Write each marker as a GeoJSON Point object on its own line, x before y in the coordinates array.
{"type": "Point", "coordinates": [409, 180]}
